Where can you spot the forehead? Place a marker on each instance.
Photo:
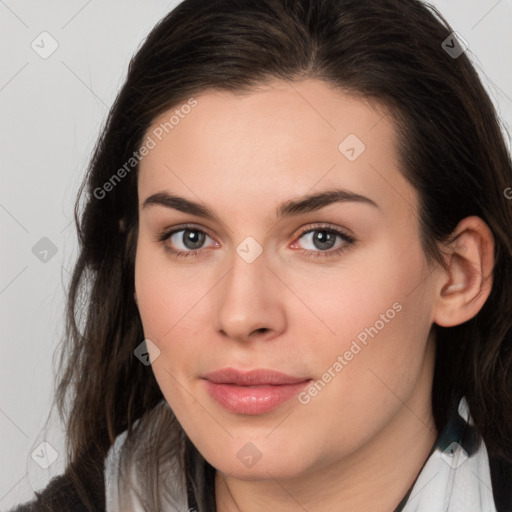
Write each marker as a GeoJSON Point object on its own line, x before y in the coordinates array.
{"type": "Point", "coordinates": [281, 140]}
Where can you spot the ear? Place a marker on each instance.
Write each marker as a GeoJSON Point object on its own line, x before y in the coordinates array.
{"type": "Point", "coordinates": [466, 283]}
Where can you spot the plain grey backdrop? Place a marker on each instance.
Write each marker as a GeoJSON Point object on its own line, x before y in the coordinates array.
{"type": "Point", "coordinates": [62, 63]}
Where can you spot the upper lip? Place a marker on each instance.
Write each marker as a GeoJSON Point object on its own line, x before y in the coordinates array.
{"type": "Point", "coordinates": [255, 377]}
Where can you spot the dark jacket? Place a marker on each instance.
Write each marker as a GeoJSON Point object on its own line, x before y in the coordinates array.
{"type": "Point", "coordinates": [63, 494]}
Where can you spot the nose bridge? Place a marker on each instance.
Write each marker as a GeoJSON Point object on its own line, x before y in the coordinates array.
{"type": "Point", "coordinates": [249, 300]}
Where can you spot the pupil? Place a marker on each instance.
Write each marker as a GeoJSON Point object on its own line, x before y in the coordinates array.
{"type": "Point", "coordinates": [324, 240]}
{"type": "Point", "coordinates": [194, 238]}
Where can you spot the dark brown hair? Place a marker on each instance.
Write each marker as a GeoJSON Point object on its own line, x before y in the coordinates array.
{"type": "Point", "coordinates": [451, 147]}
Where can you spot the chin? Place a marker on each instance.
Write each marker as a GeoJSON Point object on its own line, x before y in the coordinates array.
{"type": "Point", "coordinates": [271, 469]}
{"type": "Point", "coordinates": [259, 460]}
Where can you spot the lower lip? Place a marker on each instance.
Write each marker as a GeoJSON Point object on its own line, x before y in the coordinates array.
{"type": "Point", "coordinates": [253, 399]}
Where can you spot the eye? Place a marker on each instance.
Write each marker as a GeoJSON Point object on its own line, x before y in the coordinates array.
{"type": "Point", "coordinates": [185, 241]}
{"type": "Point", "coordinates": [324, 241]}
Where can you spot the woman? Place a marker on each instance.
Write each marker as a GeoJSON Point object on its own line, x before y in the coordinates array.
{"type": "Point", "coordinates": [296, 258]}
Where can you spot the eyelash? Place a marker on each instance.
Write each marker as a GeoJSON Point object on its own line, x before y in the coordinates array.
{"type": "Point", "coordinates": [164, 235]}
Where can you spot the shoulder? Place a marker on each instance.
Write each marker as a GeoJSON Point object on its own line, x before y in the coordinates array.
{"type": "Point", "coordinates": [123, 489]}
{"type": "Point", "coordinates": [79, 489]}
{"type": "Point", "coordinates": [84, 487]}
{"type": "Point", "coordinates": [111, 472]}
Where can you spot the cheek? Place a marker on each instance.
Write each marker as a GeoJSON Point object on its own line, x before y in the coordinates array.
{"type": "Point", "coordinates": [378, 314]}
{"type": "Point", "coordinates": [166, 295]}
{"type": "Point", "coordinates": [167, 303]}
{"type": "Point", "coordinates": [353, 296]}
{"type": "Point", "coordinates": [381, 322]}
{"type": "Point", "coordinates": [172, 308]}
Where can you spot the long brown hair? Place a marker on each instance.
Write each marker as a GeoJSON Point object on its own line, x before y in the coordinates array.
{"type": "Point", "coordinates": [451, 147]}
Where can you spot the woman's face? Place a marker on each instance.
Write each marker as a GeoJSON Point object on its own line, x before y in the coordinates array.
{"type": "Point", "coordinates": [333, 292]}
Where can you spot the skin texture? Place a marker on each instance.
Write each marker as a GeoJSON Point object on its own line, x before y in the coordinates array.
{"type": "Point", "coordinates": [363, 438]}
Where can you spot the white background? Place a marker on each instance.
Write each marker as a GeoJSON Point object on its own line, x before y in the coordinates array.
{"type": "Point", "coordinates": [51, 113]}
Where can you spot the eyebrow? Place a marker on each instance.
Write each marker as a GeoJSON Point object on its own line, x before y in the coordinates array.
{"type": "Point", "coordinates": [305, 204]}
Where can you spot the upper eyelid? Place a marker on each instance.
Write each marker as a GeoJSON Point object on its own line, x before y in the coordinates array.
{"type": "Point", "coordinates": [188, 226]}
{"type": "Point", "coordinates": [324, 226]}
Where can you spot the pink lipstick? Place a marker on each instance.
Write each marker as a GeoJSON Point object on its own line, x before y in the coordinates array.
{"type": "Point", "coordinates": [253, 392]}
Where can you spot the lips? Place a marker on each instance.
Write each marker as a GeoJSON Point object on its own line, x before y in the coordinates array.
{"type": "Point", "coordinates": [253, 392]}
{"type": "Point", "coordinates": [252, 378]}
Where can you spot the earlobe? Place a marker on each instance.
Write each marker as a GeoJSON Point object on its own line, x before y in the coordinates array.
{"type": "Point", "coordinates": [466, 284]}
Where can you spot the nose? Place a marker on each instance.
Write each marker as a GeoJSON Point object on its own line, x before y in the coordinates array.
{"type": "Point", "coordinates": [250, 301]}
